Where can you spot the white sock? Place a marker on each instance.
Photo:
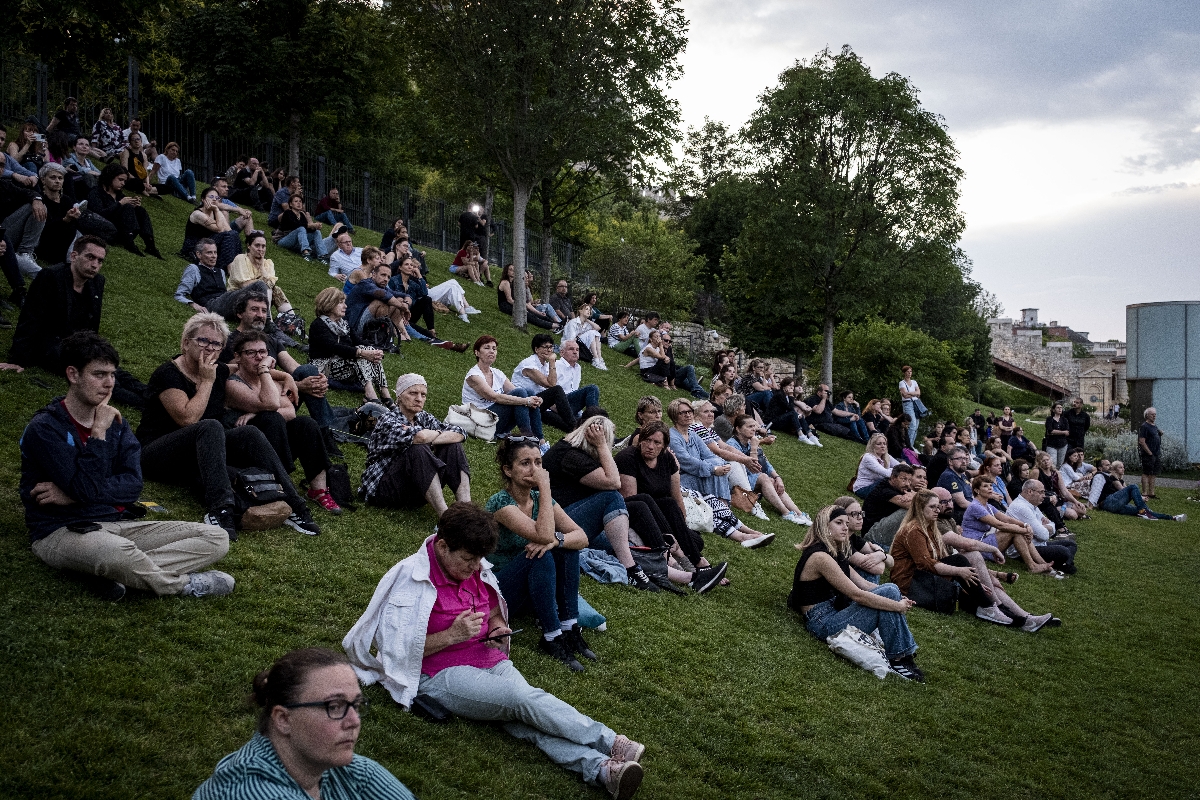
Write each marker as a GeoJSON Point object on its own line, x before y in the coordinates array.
{"type": "Point", "coordinates": [567, 624]}
{"type": "Point", "coordinates": [551, 635]}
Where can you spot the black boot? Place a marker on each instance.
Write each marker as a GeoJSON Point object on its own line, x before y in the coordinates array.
{"type": "Point", "coordinates": [331, 446]}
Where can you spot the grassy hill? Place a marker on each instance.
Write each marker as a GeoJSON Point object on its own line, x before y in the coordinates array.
{"type": "Point", "coordinates": [731, 696]}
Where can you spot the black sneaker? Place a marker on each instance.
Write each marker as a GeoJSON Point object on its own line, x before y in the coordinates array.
{"type": "Point", "coordinates": [556, 649]}
{"type": "Point", "coordinates": [223, 518]}
{"type": "Point", "coordinates": [302, 523]}
{"type": "Point", "coordinates": [706, 578]}
{"type": "Point", "coordinates": [906, 668]}
{"type": "Point", "coordinates": [576, 643]}
{"type": "Point", "coordinates": [105, 589]}
{"type": "Point", "coordinates": [639, 580]}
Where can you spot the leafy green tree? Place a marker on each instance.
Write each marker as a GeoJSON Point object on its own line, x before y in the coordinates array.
{"type": "Point", "coordinates": [868, 357]}
{"type": "Point", "coordinates": [537, 84]}
{"type": "Point", "coordinates": [854, 206]}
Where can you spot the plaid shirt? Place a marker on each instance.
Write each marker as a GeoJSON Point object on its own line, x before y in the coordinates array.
{"type": "Point", "coordinates": [393, 435]}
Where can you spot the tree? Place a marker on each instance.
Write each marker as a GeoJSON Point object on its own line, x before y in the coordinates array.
{"type": "Point", "coordinates": [538, 84]}
{"type": "Point", "coordinates": [854, 202]}
{"type": "Point", "coordinates": [305, 66]}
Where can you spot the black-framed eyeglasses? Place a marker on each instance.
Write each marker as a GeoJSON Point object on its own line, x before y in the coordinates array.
{"type": "Point", "coordinates": [337, 708]}
{"type": "Point", "coordinates": [855, 514]}
{"type": "Point", "coordinates": [686, 410]}
{"type": "Point", "coordinates": [208, 344]}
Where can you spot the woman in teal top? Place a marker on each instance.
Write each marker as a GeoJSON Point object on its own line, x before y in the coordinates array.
{"type": "Point", "coordinates": [312, 709]}
{"type": "Point", "coordinates": [537, 559]}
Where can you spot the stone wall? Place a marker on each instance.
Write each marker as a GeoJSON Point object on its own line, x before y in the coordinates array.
{"type": "Point", "coordinates": [1099, 377]}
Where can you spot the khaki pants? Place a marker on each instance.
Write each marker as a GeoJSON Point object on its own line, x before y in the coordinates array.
{"type": "Point", "coordinates": [153, 556]}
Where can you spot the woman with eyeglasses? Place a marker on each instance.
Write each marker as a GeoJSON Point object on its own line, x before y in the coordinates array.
{"type": "Point", "coordinates": [868, 558]}
{"type": "Point", "coordinates": [184, 441]}
{"type": "Point", "coordinates": [700, 468]}
{"type": "Point", "coordinates": [310, 716]}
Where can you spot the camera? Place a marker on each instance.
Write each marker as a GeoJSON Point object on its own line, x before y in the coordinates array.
{"type": "Point", "coordinates": [39, 137]}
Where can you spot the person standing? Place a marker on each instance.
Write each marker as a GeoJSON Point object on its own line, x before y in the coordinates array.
{"type": "Point", "coordinates": [1056, 443]}
{"type": "Point", "coordinates": [910, 401]}
{"type": "Point", "coordinates": [1078, 424]}
{"type": "Point", "coordinates": [1150, 449]}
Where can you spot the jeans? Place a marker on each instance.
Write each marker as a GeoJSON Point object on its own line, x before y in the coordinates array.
{"type": "Point", "coordinates": [300, 239]}
{"type": "Point", "coordinates": [759, 399]}
{"type": "Point", "coordinates": [592, 513]}
{"type": "Point", "coordinates": [858, 429]}
{"type": "Point", "coordinates": [823, 621]}
{"type": "Point", "coordinates": [501, 694]}
{"type": "Point", "coordinates": [318, 407]}
{"type": "Point", "coordinates": [1059, 454]}
{"type": "Point", "coordinates": [549, 311]}
{"type": "Point", "coordinates": [23, 229]}
{"type": "Point", "coordinates": [527, 420]}
{"type": "Point", "coordinates": [866, 490]}
{"type": "Point", "coordinates": [1119, 503]}
{"type": "Point", "coordinates": [912, 407]}
{"type": "Point", "coordinates": [685, 378]}
{"type": "Point", "coordinates": [332, 217]}
{"type": "Point", "coordinates": [182, 187]}
{"type": "Point", "coordinates": [549, 584]}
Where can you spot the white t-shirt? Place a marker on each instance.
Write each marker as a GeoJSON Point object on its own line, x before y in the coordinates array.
{"type": "Point", "coordinates": [168, 168]}
{"type": "Point", "coordinates": [533, 362]}
{"type": "Point", "coordinates": [145, 138]}
{"type": "Point", "coordinates": [469, 395]}
{"type": "Point", "coordinates": [643, 334]}
{"type": "Point", "coordinates": [342, 264]}
{"type": "Point", "coordinates": [645, 361]}
{"type": "Point", "coordinates": [910, 387]}
{"type": "Point", "coordinates": [569, 377]}
{"type": "Point", "coordinates": [1025, 511]}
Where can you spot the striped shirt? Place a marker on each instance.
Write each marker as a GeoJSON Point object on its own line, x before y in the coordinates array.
{"type": "Point", "coordinates": [256, 773]}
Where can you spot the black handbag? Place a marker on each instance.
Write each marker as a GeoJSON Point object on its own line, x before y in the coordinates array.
{"type": "Point", "coordinates": [934, 593]}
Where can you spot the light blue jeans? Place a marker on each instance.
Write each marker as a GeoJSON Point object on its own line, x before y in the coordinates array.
{"type": "Point", "coordinates": [501, 694]}
{"type": "Point", "coordinates": [823, 621]}
{"type": "Point", "coordinates": [912, 407]}
{"type": "Point", "coordinates": [300, 239]}
{"type": "Point", "coordinates": [591, 514]}
{"type": "Point", "coordinates": [182, 187]}
{"type": "Point", "coordinates": [332, 217]}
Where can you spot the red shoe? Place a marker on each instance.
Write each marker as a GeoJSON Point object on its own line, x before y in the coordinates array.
{"type": "Point", "coordinates": [325, 500]}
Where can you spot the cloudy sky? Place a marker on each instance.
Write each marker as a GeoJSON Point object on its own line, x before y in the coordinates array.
{"type": "Point", "coordinates": [1078, 125]}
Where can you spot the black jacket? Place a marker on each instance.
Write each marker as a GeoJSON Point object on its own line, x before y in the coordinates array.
{"type": "Point", "coordinates": [324, 342]}
{"type": "Point", "coordinates": [46, 316]}
{"type": "Point", "coordinates": [1077, 426]}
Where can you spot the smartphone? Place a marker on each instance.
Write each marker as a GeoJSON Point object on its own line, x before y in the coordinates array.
{"type": "Point", "coordinates": [82, 206]}
{"type": "Point", "coordinates": [500, 636]}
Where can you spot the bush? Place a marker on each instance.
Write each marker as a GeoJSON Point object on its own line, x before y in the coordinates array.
{"type": "Point", "coordinates": [999, 394]}
{"type": "Point", "coordinates": [1124, 447]}
{"type": "Point", "coordinates": [867, 358]}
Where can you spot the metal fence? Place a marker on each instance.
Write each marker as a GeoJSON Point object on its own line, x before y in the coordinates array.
{"type": "Point", "coordinates": [28, 89]}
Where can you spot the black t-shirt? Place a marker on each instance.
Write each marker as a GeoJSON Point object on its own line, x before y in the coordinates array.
{"type": "Point", "coordinates": [879, 504]}
{"type": "Point", "coordinates": [66, 122]}
{"type": "Point", "coordinates": [654, 482]}
{"type": "Point", "coordinates": [878, 420]}
{"type": "Point", "coordinates": [566, 465]}
{"type": "Point", "coordinates": [289, 220]}
{"type": "Point", "coordinates": [825, 416]}
{"type": "Point", "coordinates": [857, 543]}
{"type": "Point", "coordinates": [1152, 435]}
{"type": "Point", "coordinates": [979, 422]}
{"type": "Point", "coordinates": [156, 421]}
{"type": "Point", "coordinates": [242, 179]}
{"type": "Point", "coordinates": [939, 462]}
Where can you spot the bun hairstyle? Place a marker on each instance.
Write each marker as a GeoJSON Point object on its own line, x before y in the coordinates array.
{"type": "Point", "coordinates": [283, 683]}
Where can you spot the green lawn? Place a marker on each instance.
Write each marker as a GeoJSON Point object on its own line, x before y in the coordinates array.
{"type": "Point", "coordinates": [731, 696]}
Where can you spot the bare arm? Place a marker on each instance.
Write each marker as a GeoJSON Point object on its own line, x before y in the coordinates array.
{"type": "Point", "coordinates": [477, 383]}
{"type": "Point", "coordinates": [826, 567]}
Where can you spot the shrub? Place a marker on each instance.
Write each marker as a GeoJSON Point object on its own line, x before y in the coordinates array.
{"type": "Point", "coordinates": [644, 263]}
{"type": "Point", "coordinates": [1124, 447]}
{"type": "Point", "coordinates": [999, 394]}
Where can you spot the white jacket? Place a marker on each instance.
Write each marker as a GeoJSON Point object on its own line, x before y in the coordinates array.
{"type": "Point", "coordinates": [395, 624]}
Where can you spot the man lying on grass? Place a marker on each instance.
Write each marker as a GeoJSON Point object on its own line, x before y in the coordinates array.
{"type": "Point", "coordinates": [439, 627]}
{"type": "Point", "coordinates": [81, 475]}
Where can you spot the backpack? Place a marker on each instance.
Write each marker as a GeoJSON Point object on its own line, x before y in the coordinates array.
{"type": "Point", "coordinates": [379, 333]}
{"type": "Point", "coordinates": [259, 503]}
{"type": "Point", "coordinates": [292, 324]}
{"type": "Point", "coordinates": [337, 478]}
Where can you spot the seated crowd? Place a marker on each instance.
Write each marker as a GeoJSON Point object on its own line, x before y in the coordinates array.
{"type": "Point", "coordinates": [229, 401]}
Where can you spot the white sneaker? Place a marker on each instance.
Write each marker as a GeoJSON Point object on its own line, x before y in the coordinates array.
{"type": "Point", "coordinates": [600, 365]}
{"type": "Point", "coordinates": [761, 541]}
{"type": "Point", "coordinates": [472, 310]}
{"type": "Point", "coordinates": [1181, 517]}
{"type": "Point", "coordinates": [993, 614]}
{"type": "Point", "coordinates": [1035, 624]}
{"type": "Point", "coordinates": [812, 439]}
{"type": "Point", "coordinates": [758, 511]}
{"type": "Point", "coordinates": [463, 316]}
{"type": "Point", "coordinates": [805, 519]}
{"type": "Point", "coordinates": [794, 518]}
{"type": "Point", "coordinates": [208, 584]}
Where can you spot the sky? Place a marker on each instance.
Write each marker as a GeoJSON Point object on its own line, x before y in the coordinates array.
{"type": "Point", "coordinates": [1077, 125]}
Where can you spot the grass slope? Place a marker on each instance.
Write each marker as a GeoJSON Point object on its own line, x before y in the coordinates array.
{"type": "Point", "coordinates": [732, 697]}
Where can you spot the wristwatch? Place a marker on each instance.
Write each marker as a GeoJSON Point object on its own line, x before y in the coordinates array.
{"type": "Point", "coordinates": [562, 540]}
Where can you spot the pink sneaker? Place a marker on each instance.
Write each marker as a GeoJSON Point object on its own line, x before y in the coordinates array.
{"type": "Point", "coordinates": [325, 500]}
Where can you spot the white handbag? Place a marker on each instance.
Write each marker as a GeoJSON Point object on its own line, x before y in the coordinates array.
{"type": "Point", "coordinates": [476, 421]}
{"type": "Point", "coordinates": [864, 650]}
{"type": "Point", "coordinates": [699, 514]}
{"type": "Point", "coordinates": [461, 416]}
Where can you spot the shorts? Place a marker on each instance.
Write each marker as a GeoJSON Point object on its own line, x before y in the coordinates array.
{"type": "Point", "coordinates": [1151, 465]}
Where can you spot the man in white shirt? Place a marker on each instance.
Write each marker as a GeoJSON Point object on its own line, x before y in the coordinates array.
{"type": "Point", "coordinates": [570, 374]}
{"type": "Point", "coordinates": [1058, 549]}
{"type": "Point", "coordinates": [538, 374]}
{"type": "Point", "coordinates": [345, 257]}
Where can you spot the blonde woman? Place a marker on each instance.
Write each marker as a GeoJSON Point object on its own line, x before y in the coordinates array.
{"type": "Point", "coordinates": [874, 466]}
{"type": "Point", "coordinates": [581, 329]}
{"type": "Point", "coordinates": [831, 595]}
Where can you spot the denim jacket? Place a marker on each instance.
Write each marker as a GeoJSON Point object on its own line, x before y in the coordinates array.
{"type": "Point", "coordinates": [395, 624]}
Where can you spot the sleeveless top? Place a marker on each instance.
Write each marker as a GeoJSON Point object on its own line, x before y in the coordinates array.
{"type": "Point", "coordinates": [818, 590]}
{"type": "Point", "coordinates": [193, 231]}
{"type": "Point", "coordinates": [502, 301]}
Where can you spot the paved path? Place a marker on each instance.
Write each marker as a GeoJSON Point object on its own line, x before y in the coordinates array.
{"type": "Point", "coordinates": [1168, 483]}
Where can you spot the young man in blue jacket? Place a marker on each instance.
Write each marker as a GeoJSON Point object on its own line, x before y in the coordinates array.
{"type": "Point", "coordinates": [81, 476]}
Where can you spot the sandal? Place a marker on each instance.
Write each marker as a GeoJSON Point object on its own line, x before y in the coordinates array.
{"type": "Point", "coordinates": [1008, 577]}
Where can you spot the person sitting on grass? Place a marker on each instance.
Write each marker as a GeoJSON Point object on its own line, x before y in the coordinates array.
{"type": "Point", "coordinates": [538, 375]}
{"type": "Point", "coordinates": [821, 415]}
{"type": "Point", "coordinates": [619, 334]}
{"type": "Point", "coordinates": [536, 561]}
{"type": "Point", "coordinates": [993, 467]}
{"type": "Point", "coordinates": [184, 441]}
{"type": "Point", "coordinates": [957, 480]}
{"type": "Point", "coordinates": [766, 479]}
{"type": "Point", "coordinates": [329, 210]}
{"type": "Point", "coordinates": [412, 454]}
{"type": "Point", "coordinates": [726, 376]}
{"type": "Point", "coordinates": [848, 413]}
{"type": "Point", "coordinates": [1058, 493]}
{"type": "Point", "coordinates": [371, 299]}
{"type": "Point", "coordinates": [874, 466]}
{"type": "Point", "coordinates": [505, 300]}
{"type": "Point", "coordinates": [107, 198]}
{"type": "Point", "coordinates": [453, 649]}
{"type": "Point", "coordinates": [921, 547]}
{"type": "Point", "coordinates": [830, 595]}
{"type": "Point", "coordinates": [983, 523]}
{"type": "Point", "coordinates": [649, 409]}
{"type": "Point", "coordinates": [245, 217]}
{"type": "Point", "coordinates": [1078, 473]}
{"type": "Point", "coordinates": [870, 559]}
{"type": "Point", "coordinates": [345, 258]}
{"type": "Point", "coordinates": [874, 418]}
{"type": "Point", "coordinates": [475, 267]}
{"type": "Point", "coordinates": [253, 266]}
{"type": "Point", "coordinates": [1110, 493]}
{"type": "Point", "coordinates": [211, 222]}
{"type": "Point", "coordinates": [310, 715]}
{"type": "Point", "coordinates": [1019, 447]}
{"type": "Point", "coordinates": [265, 403]}
{"type": "Point", "coordinates": [81, 476]}
{"type": "Point", "coordinates": [1058, 549]}
{"type": "Point", "coordinates": [334, 354]}
{"type": "Point", "coordinates": [605, 321]}
{"type": "Point", "coordinates": [301, 233]}
{"type": "Point", "coordinates": [586, 481]}
{"type": "Point", "coordinates": [884, 499]}
{"type": "Point", "coordinates": [701, 469]}
{"type": "Point", "coordinates": [570, 377]}
{"type": "Point", "coordinates": [283, 194]}
{"type": "Point", "coordinates": [583, 330]}
{"type": "Point", "coordinates": [488, 388]}
{"type": "Point", "coordinates": [682, 378]}
{"type": "Point", "coordinates": [133, 158]}
{"type": "Point", "coordinates": [170, 173]}
{"type": "Point", "coordinates": [653, 362]}
{"type": "Point", "coordinates": [786, 413]}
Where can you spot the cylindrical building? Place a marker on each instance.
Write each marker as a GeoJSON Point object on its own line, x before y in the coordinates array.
{"type": "Point", "coordinates": [1163, 367]}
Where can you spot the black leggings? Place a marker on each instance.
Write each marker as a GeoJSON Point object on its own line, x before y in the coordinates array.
{"type": "Point", "coordinates": [555, 398]}
{"type": "Point", "coordinates": [652, 518]}
{"type": "Point", "coordinates": [294, 438]}
{"type": "Point", "coordinates": [422, 310]}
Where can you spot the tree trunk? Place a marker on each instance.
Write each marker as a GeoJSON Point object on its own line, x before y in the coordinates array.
{"type": "Point", "coordinates": [520, 201]}
{"type": "Point", "coordinates": [489, 201]}
{"type": "Point", "coordinates": [294, 144]}
{"type": "Point", "coordinates": [547, 241]}
{"type": "Point", "coordinates": [827, 353]}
